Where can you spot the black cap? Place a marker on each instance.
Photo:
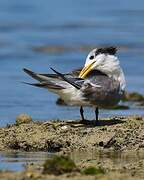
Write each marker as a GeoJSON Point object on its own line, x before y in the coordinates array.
{"type": "Point", "coordinates": [106, 50]}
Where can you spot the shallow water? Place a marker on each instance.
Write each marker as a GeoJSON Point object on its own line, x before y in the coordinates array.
{"type": "Point", "coordinates": [26, 25]}
{"type": "Point", "coordinates": [117, 158]}
{"type": "Point", "coordinates": [16, 161]}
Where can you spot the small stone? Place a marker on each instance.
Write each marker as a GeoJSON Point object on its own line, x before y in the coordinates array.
{"type": "Point", "coordinates": [137, 117]}
{"type": "Point", "coordinates": [23, 118]}
{"type": "Point", "coordinates": [101, 144]}
{"type": "Point", "coordinates": [64, 127]}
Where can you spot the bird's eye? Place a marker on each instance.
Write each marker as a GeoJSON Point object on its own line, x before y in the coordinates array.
{"type": "Point", "coordinates": [91, 57]}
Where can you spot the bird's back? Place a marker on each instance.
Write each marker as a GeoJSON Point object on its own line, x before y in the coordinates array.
{"type": "Point", "coordinates": [101, 90]}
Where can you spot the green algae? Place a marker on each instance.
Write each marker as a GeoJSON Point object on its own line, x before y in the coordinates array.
{"type": "Point", "coordinates": [93, 170]}
{"type": "Point", "coordinates": [124, 107]}
{"type": "Point", "coordinates": [133, 96]}
{"type": "Point", "coordinates": [59, 165]}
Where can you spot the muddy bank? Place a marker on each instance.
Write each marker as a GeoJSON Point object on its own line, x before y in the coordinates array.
{"type": "Point", "coordinates": [74, 176]}
{"type": "Point", "coordinates": [35, 175]}
{"type": "Point", "coordinates": [116, 146]}
{"type": "Point", "coordinates": [117, 133]}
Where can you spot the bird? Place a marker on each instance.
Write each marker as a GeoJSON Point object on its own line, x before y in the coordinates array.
{"type": "Point", "coordinates": [99, 84]}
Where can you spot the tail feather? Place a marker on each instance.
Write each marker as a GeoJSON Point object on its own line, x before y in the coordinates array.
{"type": "Point", "coordinates": [36, 76]}
{"type": "Point", "coordinates": [34, 84]}
{"type": "Point", "coordinates": [47, 85]}
{"type": "Point", "coordinates": [53, 81]}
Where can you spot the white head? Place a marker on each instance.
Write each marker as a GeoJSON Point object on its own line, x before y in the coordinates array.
{"type": "Point", "coordinates": [104, 60]}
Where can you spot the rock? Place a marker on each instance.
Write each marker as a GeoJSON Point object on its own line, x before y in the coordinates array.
{"type": "Point", "coordinates": [23, 118]}
{"type": "Point", "coordinates": [137, 117]}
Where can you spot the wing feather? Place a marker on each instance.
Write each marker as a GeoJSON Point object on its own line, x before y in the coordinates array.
{"type": "Point", "coordinates": [101, 90]}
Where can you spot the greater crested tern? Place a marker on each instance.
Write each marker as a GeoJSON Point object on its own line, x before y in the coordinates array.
{"type": "Point", "coordinates": [100, 83]}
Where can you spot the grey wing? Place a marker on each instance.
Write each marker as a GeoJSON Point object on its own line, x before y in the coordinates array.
{"type": "Point", "coordinates": [101, 90]}
{"type": "Point", "coordinates": [55, 81]}
{"type": "Point", "coordinates": [73, 74]}
{"type": "Point", "coordinates": [42, 77]}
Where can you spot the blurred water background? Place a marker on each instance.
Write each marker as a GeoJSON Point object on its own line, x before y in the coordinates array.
{"type": "Point", "coordinates": [68, 29]}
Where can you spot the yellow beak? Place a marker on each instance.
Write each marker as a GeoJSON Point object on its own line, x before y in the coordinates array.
{"type": "Point", "coordinates": [84, 72]}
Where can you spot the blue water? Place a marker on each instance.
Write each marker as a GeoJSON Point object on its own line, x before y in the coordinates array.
{"type": "Point", "coordinates": [25, 25]}
{"type": "Point", "coordinates": [17, 161]}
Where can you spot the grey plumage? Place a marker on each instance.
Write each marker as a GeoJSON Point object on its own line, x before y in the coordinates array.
{"type": "Point", "coordinates": [54, 80]}
{"type": "Point", "coordinates": [102, 91]}
{"type": "Point", "coordinates": [97, 89]}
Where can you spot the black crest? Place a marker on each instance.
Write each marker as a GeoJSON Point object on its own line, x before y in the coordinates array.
{"type": "Point", "coordinates": [106, 50]}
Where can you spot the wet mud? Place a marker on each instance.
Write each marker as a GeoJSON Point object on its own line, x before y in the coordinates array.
{"type": "Point", "coordinates": [83, 143]}
{"type": "Point", "coordinates": [117, 133]}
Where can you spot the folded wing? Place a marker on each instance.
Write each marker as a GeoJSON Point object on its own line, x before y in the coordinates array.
{"type": "Point", "coordinates": [55, 81]}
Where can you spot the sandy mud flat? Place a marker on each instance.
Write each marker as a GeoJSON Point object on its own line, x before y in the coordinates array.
{"type": "Point", "coordinates": [121, 137]}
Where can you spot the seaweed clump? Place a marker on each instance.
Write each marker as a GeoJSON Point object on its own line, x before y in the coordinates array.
{"type": "Point", "coordinates": [118, 107]}
{"type": "Point", "coordinates": [133, 96]}
{"type": "Point", "coordinates": [93, 171]}
{"type": "Point", "coordinates": [59, 165]}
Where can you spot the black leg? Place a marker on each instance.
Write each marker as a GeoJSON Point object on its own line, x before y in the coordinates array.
{"type": "Point", "coordinates": [96, 113]}
{"type": "Point", "coordinates": [82, 113]}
